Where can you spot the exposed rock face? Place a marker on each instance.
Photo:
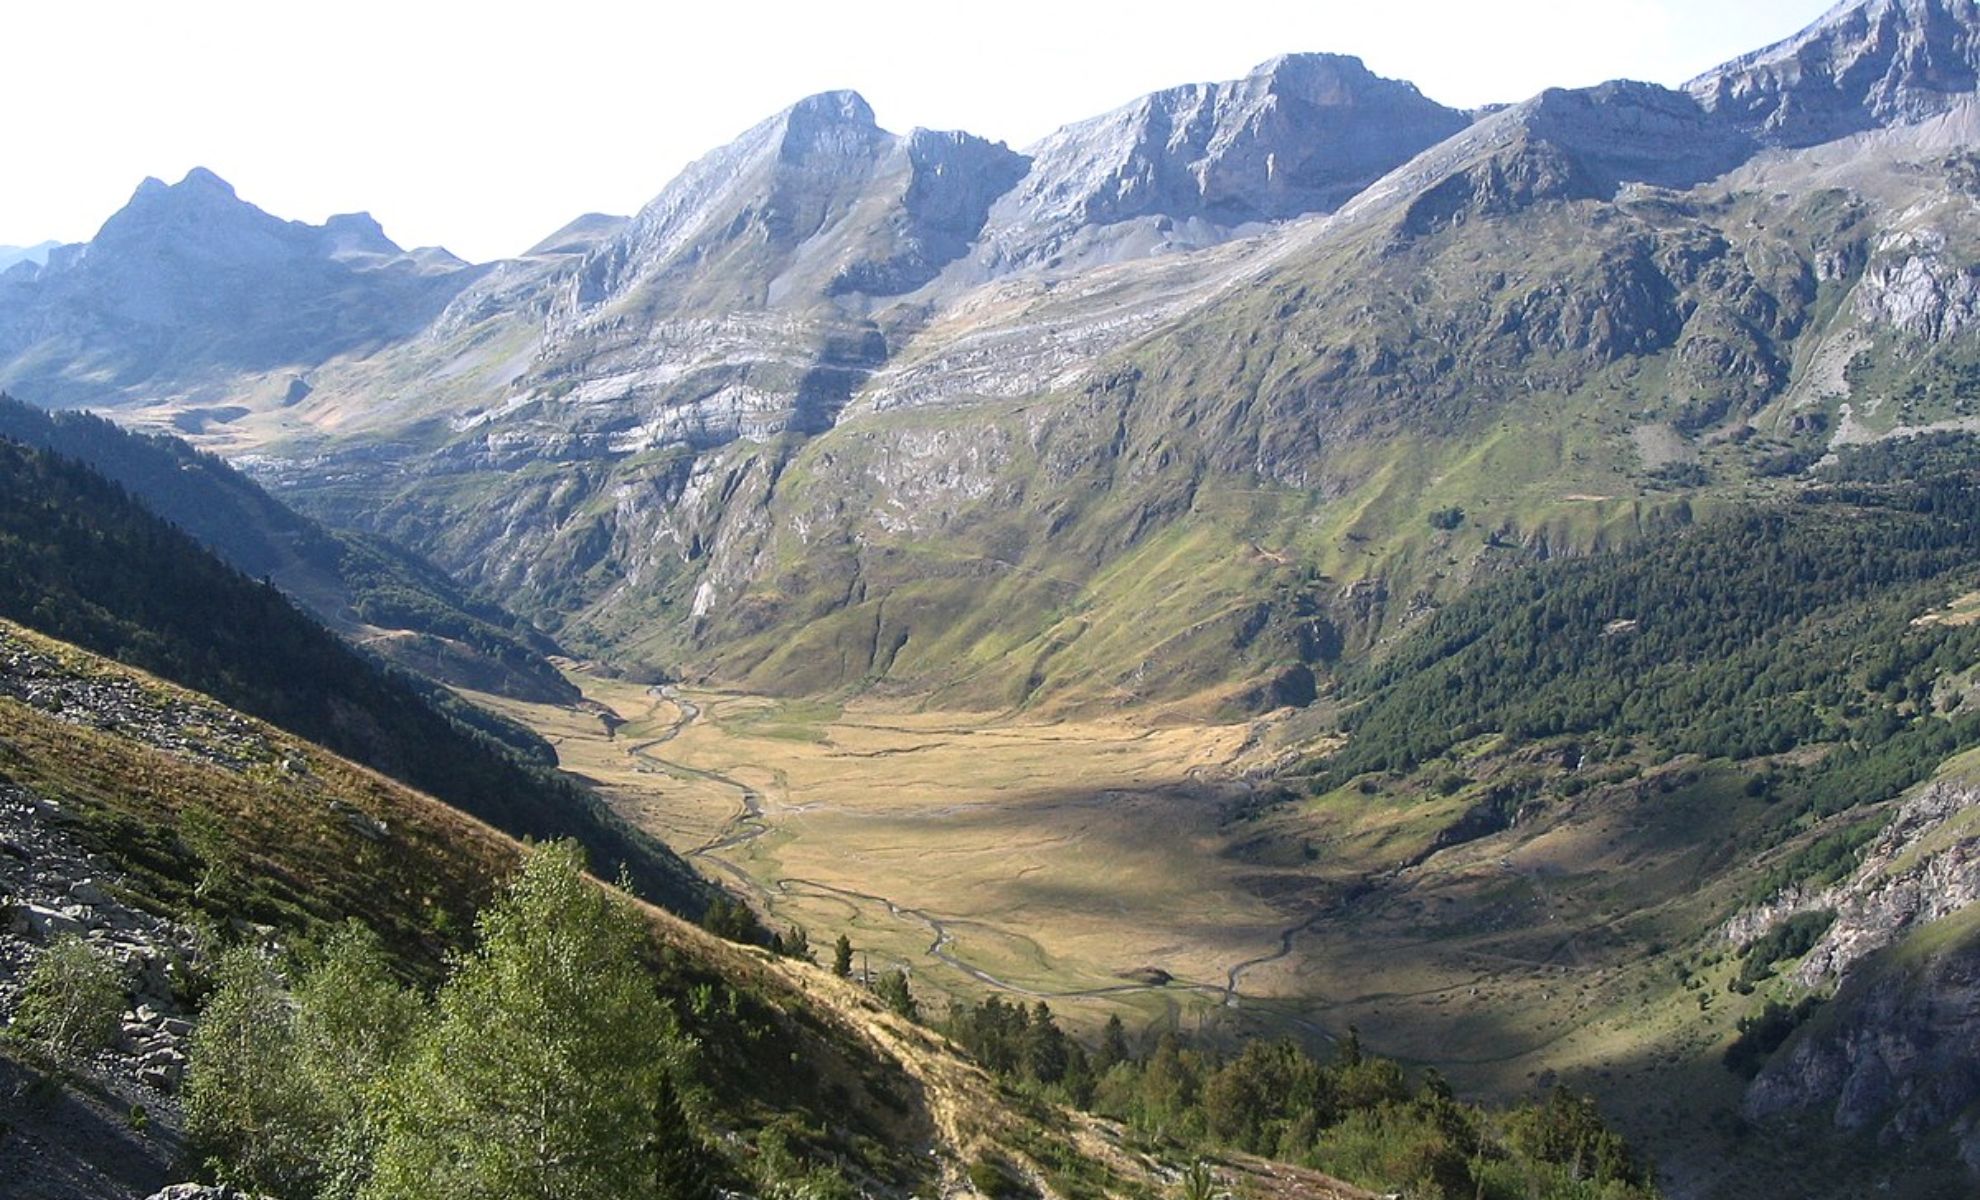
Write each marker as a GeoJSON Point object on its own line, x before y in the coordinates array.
{"type": "Point", "coordinates": [1923, 867]}
{"type": "Point", "coordinates": [1920, 290]}
{"type": "Point", "coordinates": [1579, 144]}
{"type": "Point", "coordinates": [1300, 134]}
{"type": "Point", "coordinates": [188, 282]}
{"type": "Point", "coordinates": [1888, 897]}
{"type": "Point", "coordinates": [953, 180]}
{"type": "Point", "coordinates": [1901, 1056]}
{"type": "Point", "coordinates": [816, 200]}
{"type": "Point", "coordinates": [1866, 63]}
{"type": "Point", "coordinates": [1898, 1060]}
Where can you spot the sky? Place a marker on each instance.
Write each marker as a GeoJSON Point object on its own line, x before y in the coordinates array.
{"type": "Point", "coordinates": [484, 126]}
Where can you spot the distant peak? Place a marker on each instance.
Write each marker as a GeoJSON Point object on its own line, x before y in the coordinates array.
{"type": "Point", "coordinates": [198, 183]}
{"type": "Point", "coordinates": [357, 233]}
{"type": "Point", "coordinates": [1307, 62]}
{"type": "Point", "coordinates": [201, 179]}
{"type": "Point", "coordinates": [357, 222]}
{"type": "Point", "coordinates": [840, 107]}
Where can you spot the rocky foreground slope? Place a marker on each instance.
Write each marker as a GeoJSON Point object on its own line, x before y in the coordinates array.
{"type": "Point", "coordinates": [159, 827]}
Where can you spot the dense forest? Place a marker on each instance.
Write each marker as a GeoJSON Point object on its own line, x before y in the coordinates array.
{"type": "Point", "coordinates": [1783, 627]}
{"type": "Point", "coordinates": [81, 561]}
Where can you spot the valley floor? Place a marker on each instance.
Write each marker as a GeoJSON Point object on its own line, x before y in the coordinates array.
{"type": "Point", "coordinates": [1107, 867]}
{"type": "Point", "coordinates": [1083, 863]}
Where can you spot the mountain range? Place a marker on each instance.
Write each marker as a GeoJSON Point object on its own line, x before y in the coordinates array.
{"type": "Point", "coordinates": [1218, 405]}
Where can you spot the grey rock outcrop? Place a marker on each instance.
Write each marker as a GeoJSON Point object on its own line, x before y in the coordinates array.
{"type": "Point", "coordinates": [1899, 1057]}
{"type": "Point", "coordinates": [1300, 134]}
{"type": "Point", "coordinates": [1564, 144]}
{"type": "Point", "coordinates": [816, 200]}
{"type": "Point", "coordinates": [86, 1144]}
{"type": "Point", "coordinates": [1917, 288]}
{"type": "Point", "coordinates": [1898, 1060]}
{"type": "Point", "coordinates": [1922, 868]}
{"type": "Point", "coordinates": [1866, 63]}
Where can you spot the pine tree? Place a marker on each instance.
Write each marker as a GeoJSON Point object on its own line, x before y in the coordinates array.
{"type": "Point", "coordinates": [842, 957]}
{"type": "Point", "coordinates": [893, 989]}
{"type": "Point", "coordinates": [1044, 1047]}
{"type": "Point", "coordinates": [1113, 1046]}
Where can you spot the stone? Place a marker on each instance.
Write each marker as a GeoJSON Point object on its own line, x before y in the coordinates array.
{"type": "Point", "coordinates": [47, 923]}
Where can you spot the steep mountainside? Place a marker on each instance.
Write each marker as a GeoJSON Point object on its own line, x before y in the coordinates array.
{"type": "Point", "coordinates": [1867, 63]}
{"type": "Point", "coordinates": [375, 594]}
{"type": "Point", "coordinates": [83, 562]}
{"type": "Point", "coordinates": [1300, 134]}
{"type": "Point", "coordinates": [735, 494]}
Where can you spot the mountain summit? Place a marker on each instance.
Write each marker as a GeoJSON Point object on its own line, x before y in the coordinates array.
{"type": "Point", "coordinates": [1299, 134]}
{"type": "Point", "coordinates": [817, 199]}
{"type": "Point", "coordinates": [188, 283]}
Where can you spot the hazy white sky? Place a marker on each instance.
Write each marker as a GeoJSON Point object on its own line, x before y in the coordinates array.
{"type": "Point", "coordinates": [483, 126]}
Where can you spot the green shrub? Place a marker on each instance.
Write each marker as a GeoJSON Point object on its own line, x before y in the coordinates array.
{"type": "Point", "coordinates": [993, 1180]}
{"type": "Point", "coordinates": [72, 1001]}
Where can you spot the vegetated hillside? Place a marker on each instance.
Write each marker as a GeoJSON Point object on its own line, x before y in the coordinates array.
{"type": "Point", "coordinates": [244, 835]}
{"type": "Point", "coordinates": [1733, 767]}
{"type": "Point", "coordinates": [86, 563]}
{"type": "Point", "coordinates": [393, 603]}
{"type": "Point", "coordinates": [224, 860]}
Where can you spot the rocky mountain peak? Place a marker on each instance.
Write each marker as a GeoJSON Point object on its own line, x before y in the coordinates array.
{"type": "Point", "coordinates": [1319, 78]}
{"type": "Point", "coordinates": [200, 193]}
{"type": "Point", "coordinates": [200, 218]}
{"type": "Point", "coordinates": [199, 183]}
{"type": "Point", "coordinates": [357, 233]}
{"type": "Point", "coordinates": [1864, 64]}
{"type": "Point", "coordinates": [215, 285]}
{"type": "Point", "coordinates": [829, 126]}
{"type": "Point", "coordinates": [1299, 134]}
{"type": "Point", "coordinates": [842, 107]}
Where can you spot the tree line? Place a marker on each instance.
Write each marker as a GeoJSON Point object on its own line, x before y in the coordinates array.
{"type": "Point", "coordinates": [1357, 1116]}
